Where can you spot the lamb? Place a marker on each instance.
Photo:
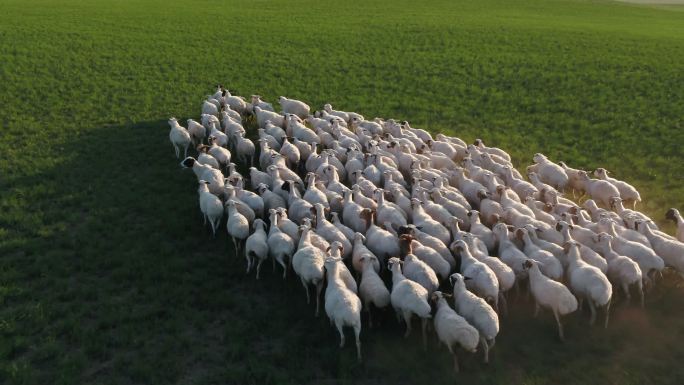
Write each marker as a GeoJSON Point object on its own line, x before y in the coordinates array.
{"type": "Point", "coordinates": [550, 294]}
{"type": "Point", "coordinates": [418, 271]}
{"type": "Point", "coordinates": [342, 305]}
{"type": "Point", "coordinates": [627, 191]}
{"type": "Point", "coordinates": [574, 180]}
{"type": "Point", "coordinates": [308, 263]}
{"type": "Point", "coordinates": [673, 215]}
{"type": "Point", "coordinates": [599, 190]}
{"type": "Point", "coordinates": [408, 298]}
{"type": "Point", "coordinates": [280, 245]}
{"type": "Point", "coordinates": [622, 271]}
{"type": "Point", "coordinates": [335, 219]}
{"type": "Point", "coordinates": [221, 154]}
{"type": "Point", "coordinates": [180, 137]}
{"type": "Point", "coordinates": [586, 253]}
{"type": "Point", "coordinates": [427, 224]}
{"type": "Point", "coordinates": [482, 280]}
{"type": "Point", "coordinates": [671, 251]}
{"type": "Point", "coordinates": [372, 289]}
{"type": "Point", "coordinates": [431, 242]}
{"type": "Point", "coordinates": [477, 312]}
{"type": "Point", "coordinates": [588, 282]}
{"type": "Point", "coordinates": [452, 329]}
{"type": "Point", "coordinates": [237, 226]}
{"type": "Point", "coordinates": [293, 106]}
{"type": "Point", "coordinates": [210, 108]}
{"type": "Point", "coordinates": [256, 248]}
{"type": "Point", "coordinates": [197, 132]}
{"type": "Point", "coordinates": [211, 206]}
{"type": "Point", "coordinates": [549, 172]}
{"type": "Point", "coordinates": [204, 158]}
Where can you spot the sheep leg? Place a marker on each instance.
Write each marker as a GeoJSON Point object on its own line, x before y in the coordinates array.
{"type": "Point", "coordinates": [175, 148]}
{"type": "Point", "coordinates": [357, 335]}
{"type": "Point", "coordinates": [504, 304]}
{"type": "Point", "coordinates": [370, 318]}
{"type": "Point", "coordinates": [249, 263]}
{"type": "Point", "coordinates": [625, 289]}
{"type": "Point", "coordinates": [424, 323]}
{"type": "Point", "coordinates": [453, 354]}
{"type": "Point", "coordinates": [306, 289]}
{"type": "Point", "coordinates": [485, 349]}
{"type": "Point", "coordinates": [641, 293]}
{"type": "Point", "coordinates": [319, 288]}
{"type": "Point", "coordinates": [339, 329]}
{"type": "Point", "coordinates": [560, 325]}
{"type": "Point", "coordinates": [592, 308]}
{"type": "Point", "coordinates": [186, 150]}
{"type": "Point", "coordinates": [536, 309]}
{"type": "Point", "coordinates": [605, 325]}
{"type": "Point", "coordinates": [407, 319]}
{"type": "Point", "coordinates": [258, 268]}
{"type": "Point", "coordinates": [282, 263]}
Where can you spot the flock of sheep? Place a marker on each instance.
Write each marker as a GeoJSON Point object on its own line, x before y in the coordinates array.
{"type": "Point", "coordinates": [347, 203]}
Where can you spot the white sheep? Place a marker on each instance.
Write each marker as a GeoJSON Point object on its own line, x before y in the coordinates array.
{"type": "Point", "coordinates": [237, 226]}
{"type": "Point", "coordinates": [549, 172]}
{"type": "Point", "coordinates": [210, 205]}
{"type": "Point", "coordinates": [214, 177]}
{"type": "Point", "coordinates": [293, 106]}
{"type": "Point", "coordinates": [180, 137]}
{"type": "Point", "coordinates": [258, 103]}
{"type": "Point", "coordinates": [372, 289]}
{"type": "Point", "coordinates": [280, 245]}
{"type": "Point", "coordinates": [308, 263]}
{"type": "Point", "coordinates": [342, 305]}
{"type": "Point", "coordinates": [550, 294]}
{"type": "Point", "coordinates": [408, 298]}
{"type": "Point", "coordinates": [673, 215]}
{"type": "Point", "coordinates": [588, 282]}
{"type": "Point", "coordinates": [256, 248]}
{"type": "Point", "coordinates": [452, 329]}
{"type": "Point", "coordinates": [481, 280]}
{"type": "Point", "coordinates": [599, 190]}
{"type": "Point", "coordinates": [627, 191]}
{"type": "Point", "coordinates": [477, 312]}
{"type": "Point", "coordinates": [265, 116]}
{"type": "Point", "coordinates": [550, 266]}
{"type": "Point", "coordinates": [670, 250]}
{"type": "Point", "coordinates": [622, 271]}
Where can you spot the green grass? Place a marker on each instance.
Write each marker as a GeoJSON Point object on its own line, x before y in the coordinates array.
{"type": "Point", "coordinates": [106, 275]}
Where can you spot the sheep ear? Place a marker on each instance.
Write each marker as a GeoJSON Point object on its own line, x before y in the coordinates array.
{"type": "Point", "coordinates": [328, 249]}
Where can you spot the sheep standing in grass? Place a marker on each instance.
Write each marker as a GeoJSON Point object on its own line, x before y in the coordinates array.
{"type": "Point", "coordinates": [211, 206]}
{"type": "Point", "coordinates": [599, 190]}
{"type": "Point", "coordinates": [308, 263]}
{"type": "Point", "coordinates": [550, 294]}
{"type": "Point", "coordinates": [237, 226]}
{"type": "Point", "coordinates": [477, 312]}
{"type": "Point", "coordinates": [627, 192]}
{"type": "Point", "coordinates": [372, 289]}
{"type": "Point", "coordinates": [180, 137]}
{"type": "Point", "coordinates": [549, 172]}
{"type": "Point", "coordinates": [342, 305]}
{"type": "Point", "coordinates": [256, 248]}
{"type": "Point", "coordinates": [588, 282]}
{"type": "Point", "coordinates": [673, 215]}
{"type": "Point", "coordinates": [408, 298]}
{"type": "Point", "coordinates": [280, 245]}
{"type": "Point", "coordinates": [670, 250]}
{"type": "Point", "coordinates": [452, 329]}
{"type": "Point", "coordinates": [622, 271]}
{"type": "Point", "coordinates": [293, 106]}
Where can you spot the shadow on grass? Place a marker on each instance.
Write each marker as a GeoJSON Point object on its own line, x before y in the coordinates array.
{"type": "Point", "coordinates": [109, 276]}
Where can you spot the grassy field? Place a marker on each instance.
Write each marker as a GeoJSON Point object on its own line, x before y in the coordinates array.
{"type": "Point", "coordinates": [106, 274]}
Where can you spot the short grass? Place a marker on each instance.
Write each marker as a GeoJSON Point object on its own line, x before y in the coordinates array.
{"type": "Point", "coordinates": [106, 275]}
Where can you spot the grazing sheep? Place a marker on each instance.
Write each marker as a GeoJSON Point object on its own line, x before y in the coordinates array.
{"type": "Point", "coordinates": [599, 190]}
{"type": "Point", "coordinates": [670, 250]}
{"type": "Point", "coordinates": [550, 294]}
{"type": "Point", "coordinates": [452, 329]}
